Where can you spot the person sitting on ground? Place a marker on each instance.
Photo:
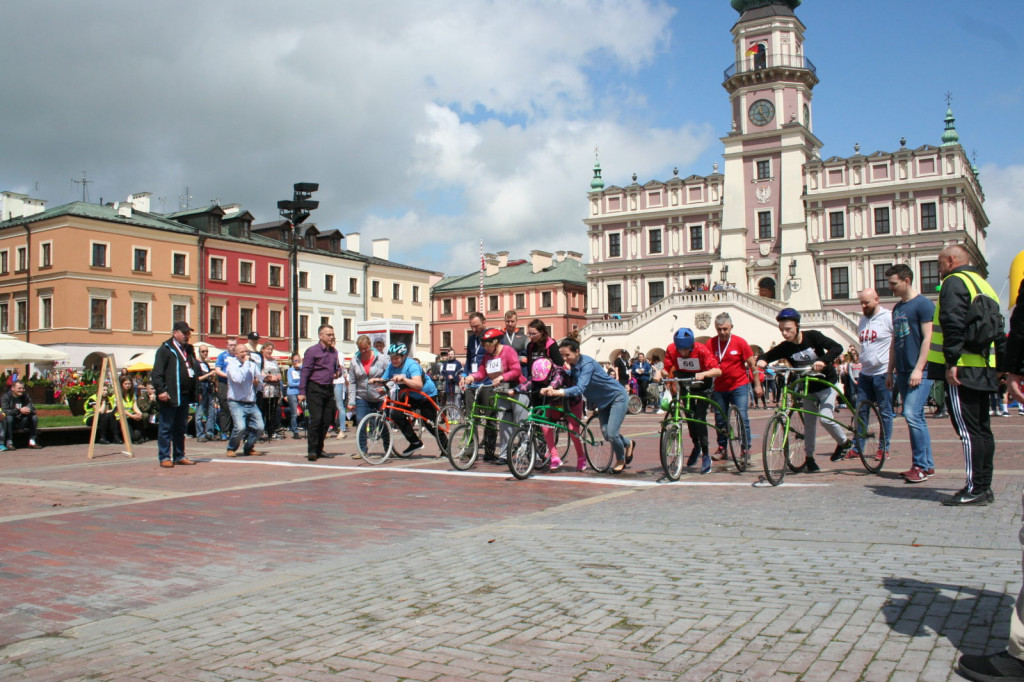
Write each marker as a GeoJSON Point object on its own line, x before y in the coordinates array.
{"type": "Point", "coordinates": [136, 420]}
{"type": "Point", "coordinates": [103, 415]}
{"type": "Point", "coordinates": [20, 414]}
{"type": "Point", "coordinates": [149, 406]}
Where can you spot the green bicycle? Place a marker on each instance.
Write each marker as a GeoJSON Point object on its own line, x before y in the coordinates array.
{"type": "Point", "coordinates": [527, 449]}
{"type": "Point", "coordinates": [464, 439]}
{"type": "Point", "coordinates": [681, 411]}
{"type": "Point", "coordinates": [865, 427]}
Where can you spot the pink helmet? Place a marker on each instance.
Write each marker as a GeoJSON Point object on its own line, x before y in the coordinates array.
{"type": "Point", "coordinates": [541, 369]}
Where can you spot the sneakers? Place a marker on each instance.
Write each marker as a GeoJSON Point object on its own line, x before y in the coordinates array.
{"type": "Point", "coordinates": [693, 457]}
{"type": "Point", "coordinates": [881, 455]}
{"type": "Point", "coordinates": [841, 450]}
{"type": "Point", "coordinates": [413, 447]}
{"type": "Point", "coordinates": [342, 434]}
{"type": "Point", "coordinates": [556, 462]}
{"type": "Point", "coordinates": [1001, 666]}
{"type": "Point", "coordinates": [581, 466]}
{"type": "Point", "coordinates": [705, 465]}
{"type": "Point", "coordinates": [231, 453]}
{"type": "Point", "coordinates": [915, 475]}
{"type": "Point", "coordinates": [965, 496]}
{"type": "Point", "coordinates": [3, 448]}
{"type": "Point", "coordinates": [10, 445]}
{"type": "Point", "coordinates": [296, 436]}
{"type": "Point", "coordinates": [34, 445]}
{"type": "Point", "coordinates": [811, 466]}
{"type": "Point", "coordinates": [719, 455]}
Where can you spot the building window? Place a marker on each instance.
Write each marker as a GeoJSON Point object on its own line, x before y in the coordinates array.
{"type": "Point", "coordinates": [545, 299]}
{"type": "Point", "coordinates": [46, 254]}
{"type": "Point", "coordinates": [655, 292]}
{"type": "Point", "coordinates": [614, 298]}
{"type": "Point", "coordinates": [22, 259]}
{"type": "Point", "coordinates": [492, 303]}
{"type": "Point", "coordinates": [396, 291]}
{"type": "Point", "coordinates": [245, 318]}
{"type": "Point", "coordinates": [303, 326]}
{"type": "Point", "coordinates": [764, 169]}
{"type": "Point", "coordinates": [99, 255]}
{"type": "Point", "coordinates": [4, 317]}
{"type": "Point", "coordinates": [471, 304]}
{"type": "Point", "coordinates": [20, 315]}
{"type": "Point", "coordinates": [882, 221]}
{"type": "Point", "coordinates": [836, 226]}
{"type": "Point", "coordinates": [654, 241]}
{"type": "Point", "coordinates": [274, 275]}
{"type": "Point", "coordinates": [614, 245]}
{"type": "Point", "coordinates": [97, 313]}
{"type": "Point", "coordinates": [179, 264]}
{"type": "Point", "coordinates": [375, 288]}
{"type": "Point", "coordinates": [328, 282]}
{"type": "Point", "coordinates": [5, 266]}
{"type": "Point", "coordinates": [764, 224]}
{"type": "Point", "coordinates": [303, 279]}
{"type": "Point", "coordinates": [179, 312]}
{"type": "Point", "coordinates": [140, 260]}
{"type": "Point", "coordinates": [929, 276]}
{"type": "Point", "coordinates": [520, 301]}
{"type": "Point", "coordinates": [929, 218]}
{"type": "Point", "coordinates": [696, 237]}
{"type": "Point", "coordinates": [446, 339]}
{"type": "Point", "coordinates": [46, 313]}
{"type": "Point", "coordinates": [217, 269]}
{"type": "Point", "coordinates": [881, 281]}
{"type": "Point", "coordinates": [353, 285]}
{"type": "Point", "coordinates": [346, 328]}
{"type": "Point", "coordinates": [275, 324]}
{"type": "Point", "coordinates": [140, 316]}
{"type": "Point", "coordinates": [245, 269]}
{"type": "Point", "coordinates": [446, 306]}
{"type": "Point", "coordinates": [415, 294]}
{"type": "Point", "coordinates": [325, 321]}
{"type": "Point", "coordinates": [216, 319]}
{"type": "Point", "coordinates": [840, 282]}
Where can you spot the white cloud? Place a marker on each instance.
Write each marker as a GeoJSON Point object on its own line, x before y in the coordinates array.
{"type": "Point", "coordinates": [1004, 204]}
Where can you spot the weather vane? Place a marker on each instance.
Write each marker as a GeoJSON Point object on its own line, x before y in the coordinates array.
{"type": "Point", "coordinates": [949, 98]}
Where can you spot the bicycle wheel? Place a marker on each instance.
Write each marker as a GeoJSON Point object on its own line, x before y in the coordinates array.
{"type": "Point", "coordinates": [796, 459]}
{"type": "Point", "coordinates": [597, 448]}
{"type": "Point", "coordinates": [374, 439]}
{"type": "Point", "coordinates": [462, 446]}
{"type": "Point", "coordinates": [447, 418]}
{"type": "Point", "coordinates": [634, 404]}
{"type": "Point", "coordinates": [869, 436]}
{"type": "Point", "coordinates": [738, 439]}
{"type": "Point", "coordinates": [671, 452]}
{"type": "Point", "coordinates": [522, 452]}
{"type": "Point", "coordinates": [776, 450]}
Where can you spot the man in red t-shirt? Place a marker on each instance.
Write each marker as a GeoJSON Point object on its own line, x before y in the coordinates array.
{"type": "Point", "coordinates": [733, 387]}
{"type": "Point", "coordinates": [686, 358]}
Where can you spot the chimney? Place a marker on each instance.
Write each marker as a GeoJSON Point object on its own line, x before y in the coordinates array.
{"type": "Point", "coordinates": [352, 242]}
{"type": "Point", "coordinates": [492, 265]}
{"type": "Point", "coordinates": [381, 247]}
{"type": "Point", "coordinates": [560, 256]}
{"type": "Point", "coordinates": [575, 255]}
{"type": "Point", "coordinates": [140, 201]}
{"type": "Point", "coordinates": [502, 259]}
{"type": "Point", "coordinates": [540, 260]}
{"type": "Point", "coordinates": [14, 205]}
{"type": "Point", "coordinates": [231, 209]}
{"type": "Point", "coordinates": [123, 208]}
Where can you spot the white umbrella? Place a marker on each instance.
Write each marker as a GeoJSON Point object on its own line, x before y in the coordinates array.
{"type": "Point", "coordinates": [16, 350]}
{"type": "Point", "coordinates": [143, 362]}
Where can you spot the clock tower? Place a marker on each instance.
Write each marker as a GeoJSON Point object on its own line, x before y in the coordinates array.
{"type": "Point", "coordinates": [770, 83]}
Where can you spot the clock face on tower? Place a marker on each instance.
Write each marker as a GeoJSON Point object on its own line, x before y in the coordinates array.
{"type": "Point", "coordinates": [761, 112]}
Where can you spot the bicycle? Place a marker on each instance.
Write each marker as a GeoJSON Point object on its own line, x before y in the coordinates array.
{"type": "Point", "coordinates": [634, 403]}
{"type": "Point", "coordinates": [527, 449]}
{"type": "Point", "coordinates": [799, 383]}
{"type": "Point", "coordinates": [681, 411]}
{"type": "Point", "coordinates": [464, 439]}
{"type": "Point", "coordinates": [375, 433]}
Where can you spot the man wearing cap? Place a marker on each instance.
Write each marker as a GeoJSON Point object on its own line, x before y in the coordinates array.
{"type": "Point", "coordinates": [174, 379]}
{"type": "Point", "coordinates": [320, 367]}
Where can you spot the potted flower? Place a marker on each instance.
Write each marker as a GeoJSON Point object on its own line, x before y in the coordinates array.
{"type": "Point", "coordinates": [76, 394]}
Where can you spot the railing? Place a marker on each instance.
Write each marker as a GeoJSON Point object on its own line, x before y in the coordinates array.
{"type": "Point", "coordinates": [829, 317]}
{"type": "Point", "coordinates": [757, 63]}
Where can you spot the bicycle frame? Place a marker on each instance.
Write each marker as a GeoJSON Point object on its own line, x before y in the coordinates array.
{"type": "Point", "coordinates": [539, 415]}
{"type": "Point", "coordinates": [390, 404]}
{"type": "Point", "coordinates": [679, 413]}
{"type": "Point", "coordinates": [477, 414]}
{"type": "Point", "coordinates": [798, 388]}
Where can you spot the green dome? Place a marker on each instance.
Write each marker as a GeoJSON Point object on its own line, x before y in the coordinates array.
{"type": "Point", "coordinates": [742, 6]}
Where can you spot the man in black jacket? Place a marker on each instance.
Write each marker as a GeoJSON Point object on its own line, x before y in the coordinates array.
{"type": "Point", "coordinates": [20, 414]}
{"type": "Point", "coordinates": [174, 379]}
{"type": "Point", "coordinates": [1009, 664]}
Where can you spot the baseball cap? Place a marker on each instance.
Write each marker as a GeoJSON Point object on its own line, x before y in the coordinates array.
{"type": "Point", "coordinates": [253, 336]}
{"type": "Point", "coordinates": [182, 326]}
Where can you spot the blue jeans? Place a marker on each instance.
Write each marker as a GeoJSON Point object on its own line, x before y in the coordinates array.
{"type": "Point", "coordinates": [611, 417]}
{"type": "Point", "coordinates": [293, 413]}
{"type": "Point", "coordinates": [873, 388]}
{"type": "Point", "coordinates": [339, 397]}
{"type": "Point", "coordinates": [739, 397]}
{"type": "Point", "coordinates": [914, 399]}
{"type": "Point", "coordinates": [246, 419]}
{"type": "Point", "coordinates": [204, 426]}
{"type": "Point", "coordinates": [170, 435]}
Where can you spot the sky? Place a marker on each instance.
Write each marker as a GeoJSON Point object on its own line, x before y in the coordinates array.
{"type": "Point", "coordinates": [440, 124]}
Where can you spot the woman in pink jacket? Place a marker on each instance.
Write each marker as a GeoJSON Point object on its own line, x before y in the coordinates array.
{"type": "Point", "coordinates": [500, 369]}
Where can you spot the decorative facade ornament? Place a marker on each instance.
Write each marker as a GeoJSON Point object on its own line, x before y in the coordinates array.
{"type": "Point", "coordinates": [702, 320]}
{"type": "Point", "coordinates": [763, 194]}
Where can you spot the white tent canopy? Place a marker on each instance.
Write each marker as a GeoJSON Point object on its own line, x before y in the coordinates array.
{"type": "Point", "coordinates": [16, 350]}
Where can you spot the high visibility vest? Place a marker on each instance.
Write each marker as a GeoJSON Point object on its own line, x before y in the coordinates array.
{"type": "Point", "coordinates": [976, 287]}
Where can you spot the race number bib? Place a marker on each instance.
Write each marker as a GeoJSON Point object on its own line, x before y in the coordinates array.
{"type": "Point", "coordinates": [494, 366]}
{"type": "Point", "coordinates": [474, 367]}
{"type": "Point", "coordinates": [688, 364]}
{"type": "Point", "coordinates": [450, 367]}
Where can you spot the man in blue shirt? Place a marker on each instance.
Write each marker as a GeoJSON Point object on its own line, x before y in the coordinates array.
{"type": "Point", "coordinates": [243, 381]}
{"type": "Point", "coordinates": [600, 390]}
{"type": "Point", "coordinates": [406, 373]}
{"type": "Point", "coordinates": [220, 367]}
{"type": "Point", "coordinates": [641, 371]}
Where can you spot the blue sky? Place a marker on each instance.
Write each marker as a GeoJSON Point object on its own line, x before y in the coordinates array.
{"type": "Point", "coordinates": [477, 118]}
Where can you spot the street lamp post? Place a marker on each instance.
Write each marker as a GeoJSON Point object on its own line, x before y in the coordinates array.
{"type": "Point", "coordinates": [295, 212]}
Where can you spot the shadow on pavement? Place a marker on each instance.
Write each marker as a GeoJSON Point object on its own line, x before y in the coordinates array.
{"type": "Point", "coordinates": [911, 492]}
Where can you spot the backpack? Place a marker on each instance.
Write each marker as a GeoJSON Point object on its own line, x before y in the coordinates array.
{"type": "Point", "coordinates": [984, 324]}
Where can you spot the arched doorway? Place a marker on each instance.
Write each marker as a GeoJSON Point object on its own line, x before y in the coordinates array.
{"type": "Point", "coordinates": [93, 361]}
{"type": "Point", "coordinates": [766, 287]}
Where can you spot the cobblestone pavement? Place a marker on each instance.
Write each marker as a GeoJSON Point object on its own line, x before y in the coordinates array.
{"type": "Point", "coordinates": [275, 568]}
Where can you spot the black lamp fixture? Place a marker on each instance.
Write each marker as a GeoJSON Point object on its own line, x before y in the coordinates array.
{"type": "Point", "coordinates": [792, 269]}
{"type": "Point", "coordinates": [724, 273]}
{"type": "Point", "coordinates": [295, 212]}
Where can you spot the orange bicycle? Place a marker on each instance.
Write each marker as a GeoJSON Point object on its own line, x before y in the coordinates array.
{"type": "Point", "coordinates": [375, 435]}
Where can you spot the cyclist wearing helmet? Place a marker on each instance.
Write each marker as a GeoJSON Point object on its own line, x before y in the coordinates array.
{"type": "Point", "coordinates": [811, 349]}
{"type": "Point", "coordinates": [500, 367]}
{"type": "Point", "coordinates": [407, 374]}
{"type": "Point", "coordinates": [687, 358]}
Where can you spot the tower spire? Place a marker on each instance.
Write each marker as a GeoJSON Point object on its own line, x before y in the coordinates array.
{"type": "Point", "coordinates": [597, 184]}
{"type": "Point", "coordinates": [950, 136]}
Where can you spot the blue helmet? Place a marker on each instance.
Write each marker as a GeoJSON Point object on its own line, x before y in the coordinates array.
{"type": "Point", "coordinates": [398, 349]}
{"type": "Point", "coordinates": [683, 339]}
{"type": "Point", "coordinates": [788, 314]}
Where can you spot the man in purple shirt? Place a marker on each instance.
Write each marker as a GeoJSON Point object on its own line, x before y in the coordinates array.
{"type": "Point", "coordinates": [320, 368]}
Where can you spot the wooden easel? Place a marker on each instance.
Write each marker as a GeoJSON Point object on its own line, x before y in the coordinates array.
{"type": "Point", "coordinates": [108, 370]}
